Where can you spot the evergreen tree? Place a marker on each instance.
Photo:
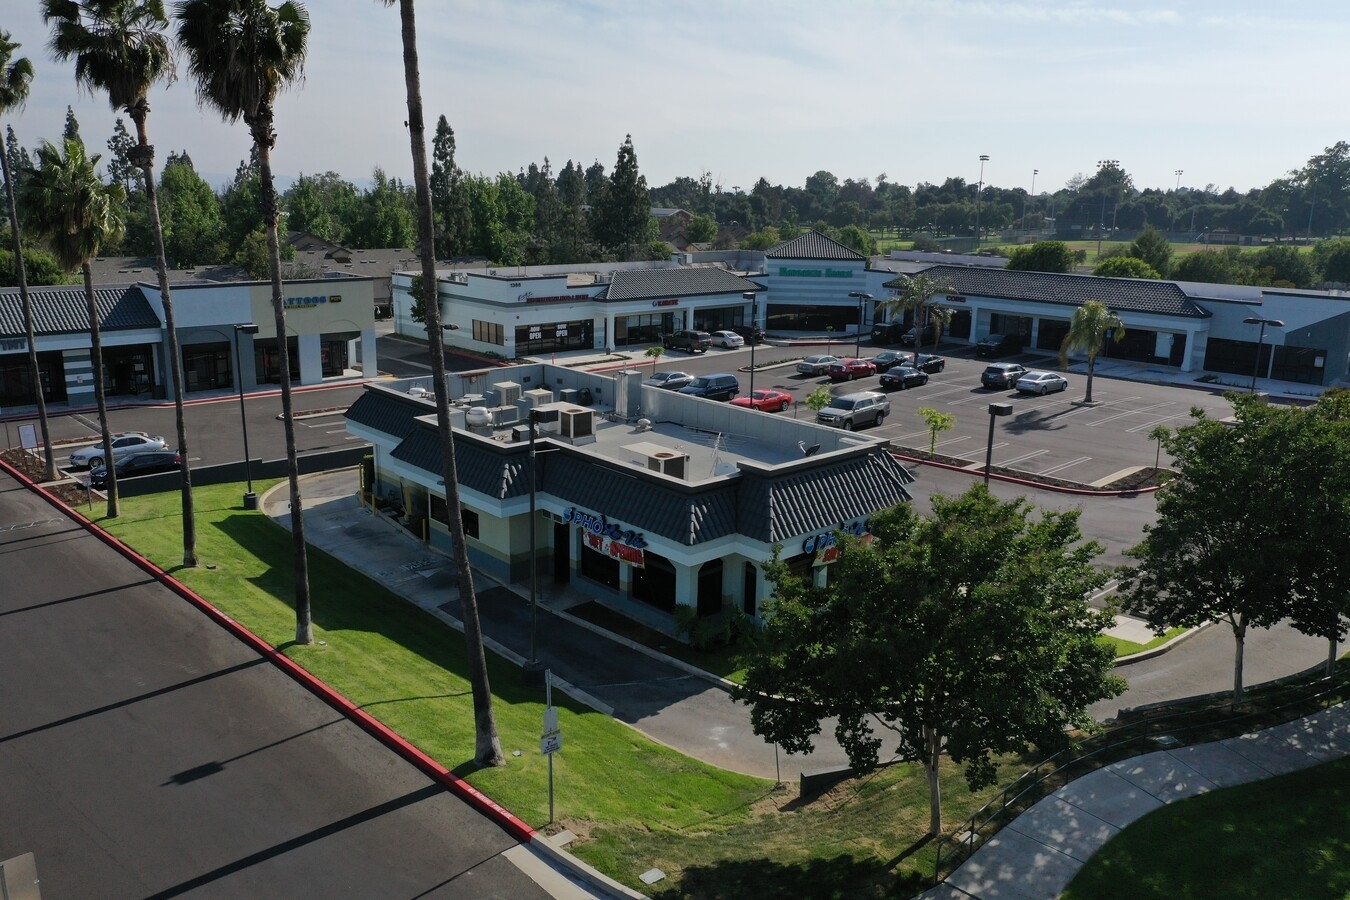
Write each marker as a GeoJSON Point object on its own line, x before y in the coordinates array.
{"type": "Point", "coordinates": [240, 206]}
{"type": "Point", "coordinates": [1153, 249]}
{"type": "Point", "coordinates": [548, 219]}
{"type": "Point", "coordinates": [623, 212]}
{"type": "Point", "coordinates": [595, 183]}
{"type": "Point", "coordinates": [120, 169]}
{"type": "Point", "coordinates": [387, 215]}
{"type": "Point", "coordinates": [72, 131]}
{"type": "Point", "coordinates": [19, 162]}
{"type": "Point", "coordinates": [189, 211]}
{"type": "Point", "coordinates": [572, 243]}
{"type": "Point", "coordinates": [325, 206]}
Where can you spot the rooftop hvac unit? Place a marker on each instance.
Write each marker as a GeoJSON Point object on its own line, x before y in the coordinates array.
{"type": "Point", "coordinates": [668, 462]}
{"type": "Point", "coordinates": [577, 422]}
{"type": "Point", "coordinates": [508, 392]}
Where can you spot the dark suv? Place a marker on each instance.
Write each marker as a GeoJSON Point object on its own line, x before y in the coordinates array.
{"type": "Point", "coordinates": [999, 345]}
{"type": "Point", "coordinates": [693, 341]}
{"type": "Point", "coordinates": [713, 387]}
{"type": "Point", "coordinates": [751, 333]}
{"type": "Point", "coordinates": [1001, 375]}
{"type": "Point", "coordinates": [928, 334]}
{"type": "Point", "coordinates": [887, 332]}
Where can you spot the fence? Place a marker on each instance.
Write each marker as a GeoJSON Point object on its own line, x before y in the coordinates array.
{"type": "Point", "coordinates": [226, 473]}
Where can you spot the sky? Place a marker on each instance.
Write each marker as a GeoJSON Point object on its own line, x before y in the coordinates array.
{"type": "Point", "coordinates": [1233, 93]}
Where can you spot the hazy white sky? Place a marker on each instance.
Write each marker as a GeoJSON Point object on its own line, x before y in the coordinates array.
{"type": "Point", "coordinates": [1233, 92]}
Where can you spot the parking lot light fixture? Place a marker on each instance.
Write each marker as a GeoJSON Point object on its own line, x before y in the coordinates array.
{"type": "Point", "coordinates": [1260, 343]}
{"type": "Point", "coordinates": [250, 498]}
{"type": "Point", "coordinates": [753, 299]}
{"type": "Point", "coordinates": [857, 338]}
{"type": "Point", "coordinates": [979, 191]}
{"type": "Point", "coordinates": [995, 410]}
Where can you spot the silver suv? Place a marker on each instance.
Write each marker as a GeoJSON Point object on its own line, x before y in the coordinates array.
{"type": "Point", "coordinates": [851, 410]}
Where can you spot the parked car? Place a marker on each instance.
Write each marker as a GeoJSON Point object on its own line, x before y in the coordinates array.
{"type": "Point", "coordinates": [727, 339]}
{"type": "Point", "coordinates": [670, 381]}
{"type": "Point", "coordinates": [852, 410]}
{"type": "Point", "coordinates": [1001, 375]}
{"type": "Point", "coordinates": [749, 333]}
{"type": "Point", "coordinates": [816, 365]}
{"type": "Point", "coordinates": [889, 358]}
{"type": "Point", "coordinates": [902, 377]}
{"type": "Point", "coordinates": [122, 443]}
{"type": "Point", "coordinates": [713, 387]}
{"type": "Point", "coordinates": [693, 341]}
{"type": "Point", "coordinates": [927, 362]}
{"type": "Point", "coordinates": [928, 336]}
{"type": "Point", "coordinates": [146, 463]}
{"type": "Point", "coordinates": [998, 345]}
{"type": "Point", "coordinates": [765, 401]}
{"type": "Point", "coordinates": [1041, 383]}
{"type": "Point", "coordinates": [887, 332]}
{"type": "Point", "coordinates": [849, 369]}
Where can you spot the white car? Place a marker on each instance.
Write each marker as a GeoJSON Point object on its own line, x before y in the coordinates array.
{"type": "Point", "coordinates": [727, 339]}
{"type": "Point", "coordinates": [1041, 383]}
{"type": "Point", "coordinates": [122, 443]}
{"type": "Point", "coordinates": [816, 365]}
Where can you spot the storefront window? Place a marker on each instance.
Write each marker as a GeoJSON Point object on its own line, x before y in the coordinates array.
{"type": "Point", "coordinates": [655, 582]}
{"type": "Point", "coordinates": [553, 337]}
{"type": "Point", "coordinates": [207, 367]}
{"type": "Point", "coordinates": [267, 360]}
{"type": "Point", "coordinates": [333, 356]}
{"type": "Point", "coordinates": [127, 370]}
{"type": "Point", "coordinates": [16, 380]}
{"type": "Point", "coordinates": [489, 332]}
{"type": "Point", "coordinates": [815, 319]}
{"type": "Point", "coordinates": [721, 318]}
{"type": "Point", "coordinates": [599, 567]}
{"type": "Point", "coordinates": [644, 330]}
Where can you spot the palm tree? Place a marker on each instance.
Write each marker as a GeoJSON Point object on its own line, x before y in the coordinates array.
{"type": "Point", "coordinates": [241, 53]}
{"type": "Point", "coordinates": [79, 215]}
{"type": "Point", "coordinates": [941, 317]}
{"type": "Point", "coordinates": [917, 293]}
{"type": "Point", "coordinates": [15, 78]}
{"type": "Point", "coordinates": [119, 47]}
{"type": "Point", "coordinates": [487, 744]}
{"type": "Point", "coordinates": [1091, 324]}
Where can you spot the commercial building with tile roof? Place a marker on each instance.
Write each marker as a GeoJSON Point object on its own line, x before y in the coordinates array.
{"type": "Point", "coordinates": [330, 328]}
{"type": "Point", "coordinates": [656, 499]}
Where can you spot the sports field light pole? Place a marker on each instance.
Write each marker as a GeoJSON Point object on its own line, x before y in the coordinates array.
{"type": "Point", "coordinates": [753, 298]}
{"type": "Point", "coordinates": [995, 410]}
{"type": "Point", "coordinates": [979, 191]}
{"type": "Point", "coordinates": [857, 339]}
{"type": "Point", "coordinates": [1034, 173]}
{"type": "Point", "coordinates": [250, 498]}
{"type": "Point", "coordinates": [1260, 342]}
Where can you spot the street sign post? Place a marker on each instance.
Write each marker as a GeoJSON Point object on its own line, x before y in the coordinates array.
{"type": "Point", "coordinates": [550, 742]}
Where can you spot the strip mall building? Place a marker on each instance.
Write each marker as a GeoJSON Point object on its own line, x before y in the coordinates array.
{"type": "Point", "coordinates": [330, 325]}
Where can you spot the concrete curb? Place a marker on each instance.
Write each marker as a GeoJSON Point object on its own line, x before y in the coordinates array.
{"type": "Point", "coordinates": [995, 476]}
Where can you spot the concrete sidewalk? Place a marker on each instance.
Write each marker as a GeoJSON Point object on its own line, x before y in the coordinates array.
{"type": "Point", "coordinates": [1038, 853]}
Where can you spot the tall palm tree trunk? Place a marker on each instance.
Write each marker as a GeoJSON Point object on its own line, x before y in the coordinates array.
{"type": "Point", "coordinates": [487, 744]}
{"type": "Point", "coordinates": [100, 397]}
{"type": "Point", "coordinates": [263, 139]}
{"type": "Point", "coordinates": [143, 156]}
{"type": "Point", "coordinates": [49, 465]}
{"type": "Point", "coordinates": [1092, 365]}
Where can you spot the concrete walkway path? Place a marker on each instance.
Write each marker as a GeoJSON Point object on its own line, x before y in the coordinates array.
{"type": "Point", "coordinates": [1039, 852]}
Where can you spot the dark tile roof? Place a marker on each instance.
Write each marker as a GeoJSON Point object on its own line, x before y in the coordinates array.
{"type": "Point", "coordinates": [686, 281]}
{"type": "Point", "coordinates": [1120, 294]}
{"type": "Point", "coordinates": [388, 411]}
{"type": "Point", "coordinates": [821, 499]}
{"type": "Point", "coordinates": [477, 467]}
{"type": "Point", "coordinates": [61, 310]}
{"type": "Point", "coordinates": [813, 245]}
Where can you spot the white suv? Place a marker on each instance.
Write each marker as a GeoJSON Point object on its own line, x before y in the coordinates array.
{"type": "Point", "coordinates": [851, 410]}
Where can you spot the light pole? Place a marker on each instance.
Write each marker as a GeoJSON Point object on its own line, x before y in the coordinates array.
{"type": "Point", "coordinates": [1312, 203]}
{"type": "Point", "coordinates": [1102, 166]}
{"type": "Point", "coordinates": [754, 329]}
{"type": "Point", "coordinates": [1030, 194]}
{"type": "Point", "coordinates": [857, 339]}
{"type": "Point", "coordinates": [1260, 342]}
{"type": "Point", "coordinates": [995, 410]}
{"type": "Point", "coordinates": [984, 158]}
{"type": "Point", "coordinates": [1178, 174]}
{"type": "Point", "coordinates": [250, 498]}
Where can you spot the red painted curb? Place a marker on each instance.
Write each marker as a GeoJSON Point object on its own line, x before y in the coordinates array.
{"type": "Point", "coordinates": [428, 766]}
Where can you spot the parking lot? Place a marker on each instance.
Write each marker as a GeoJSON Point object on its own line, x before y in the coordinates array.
{"type": "Point", "coordinates": [1054, 435]}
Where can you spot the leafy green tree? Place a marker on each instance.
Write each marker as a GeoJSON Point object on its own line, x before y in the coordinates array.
{"type": "Point", "coordinates": [78, 215]}
{"type": "Point", "coordinates": [1212, 266]}
{"type": "Point", "coordinates": [1153, 249]}
{"type": "Point", "coordinates": [855, 238]}
{"type": "Point", "coordinates": [323, 205]}
{"type": "Point", "coordinates": [940, 317]}
{"type": "Point", "coordinates": [701, 230]}
{"type": "Point", "coordinates": [765, 239]}
{"type": "Point", "coordinates": [39, 266]}
{"type": "Point", "coordinates": [1125, 267]}
{"type": "Point", "coordinates": [487, 749]}
{"type": "Point", "coordinates": [937, 422]}
{"type": "Point", "coordinates": [16, 78]}
{"type": "Point", "coordinates": [655, 353]}
{"type": "Point", "coordinates": [1092, 326]}
{"type": "Point", "coordinates": [385, 215]}
{"type": "Point", "coordinates": [1283, 266]}
{"type": "Point", "coordinates": [818, 399]}
{"type": "Point", "coordinates": [572, 243]}
{"type": "Point", "coordinates": [241, 53]}
{"type": "Point", "coordinates": [966, 633]}
{"type": "Point", "coordinates": [120, 168]}
{"type": "Point", "coordinates": [517, 218]}
{"type": "Point", "coordinates": [194, 230]}
{"type": "Point", "coordinates": [241, 205]}
{"type": "Point", "coordinates": [1042, 256]}
{"type": "Point", "coordinates": [1219, 554]}
{"type": "Point", "coordinates": [1331, 259]}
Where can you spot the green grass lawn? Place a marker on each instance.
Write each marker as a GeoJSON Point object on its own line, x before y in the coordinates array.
{"type": "Point", "coordinates": [1282, 837]}
{"type": "Point", "coordinates": [634, 803]}
{"type": "Point", "coordinates": [1125, 648]}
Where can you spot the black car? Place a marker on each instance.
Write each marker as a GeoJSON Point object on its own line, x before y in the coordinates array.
{"type": "Point", "coordinates": [713, 387]}
{"type": "Point", "coordinates": [927, 362]}
{"type": "Point", "coordinates": [999, 345]}
{"type": "Point", "coordinates": [147, 463]}
{"type": "Point", "coordinates": [902, 377]}
{"type": "Point", "coordinates": [926, 337]}
{"type": "Point", "coordinates": [887, 332]}
{"type": "Point", "coordinates": [889, 359]}
{"type": "Point", "coordinates": [1001, 375]}
{"type": "Point", "coordinates": [751, 334]}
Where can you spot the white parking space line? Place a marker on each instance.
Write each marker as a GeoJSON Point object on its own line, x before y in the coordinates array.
{"type": "Point", "coordinates": [1062, 466]}
{"type": "Point", "coordinates": [1147, 426]}
{"type": "Point", "coordinates": [337, 431]}
{"type": "Point", "coordinates": [1017, 459]}
{"type": "Point", "coordinates": [1130, 412]}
